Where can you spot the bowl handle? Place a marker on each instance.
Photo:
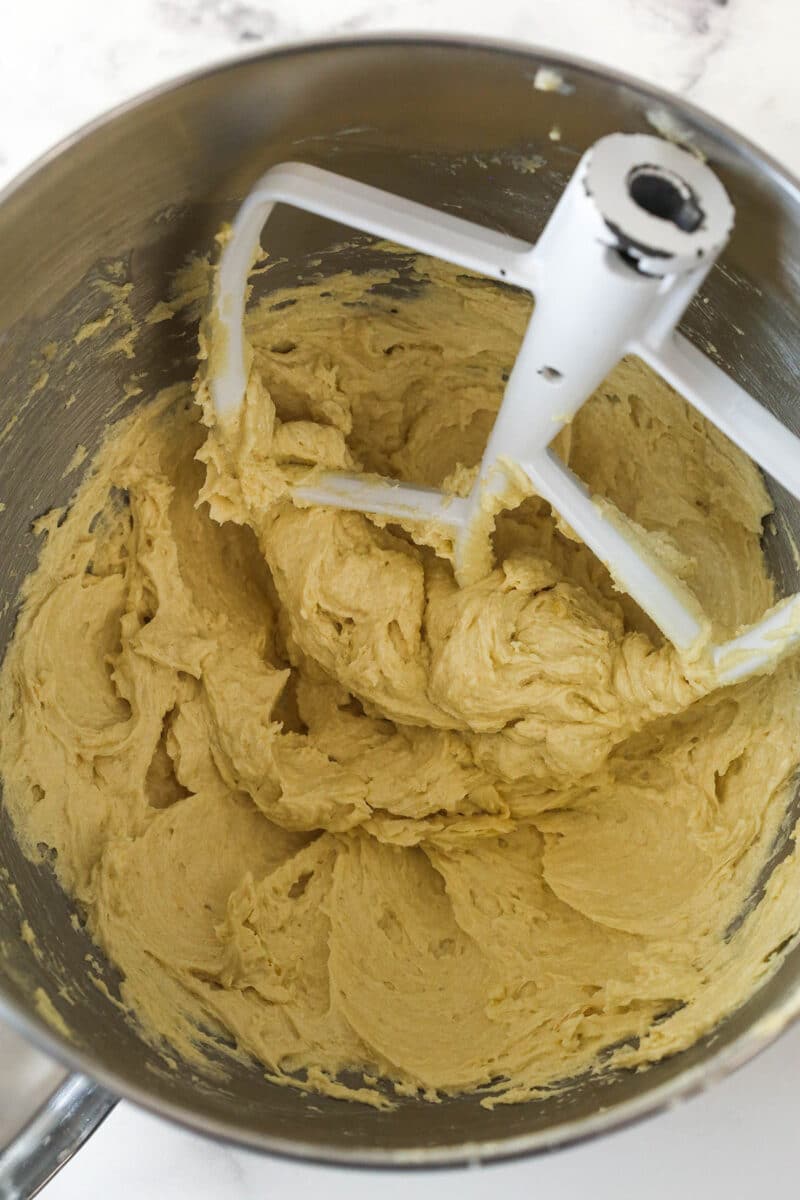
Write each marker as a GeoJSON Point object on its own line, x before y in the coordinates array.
{"type": "Point", "coordinates": [60, 1127]}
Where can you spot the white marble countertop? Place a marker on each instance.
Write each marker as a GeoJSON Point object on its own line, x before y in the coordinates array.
{"type": "Point", "coordinates": [64, 61]}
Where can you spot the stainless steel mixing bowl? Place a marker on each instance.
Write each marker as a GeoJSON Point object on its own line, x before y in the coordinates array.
{"type": "Point", "coordinates": [445, 122]}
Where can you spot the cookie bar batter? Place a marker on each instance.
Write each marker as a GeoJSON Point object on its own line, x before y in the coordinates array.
{"type": "Point", "coordinates": [309, 792]}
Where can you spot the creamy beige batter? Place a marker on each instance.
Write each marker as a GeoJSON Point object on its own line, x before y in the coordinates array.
{"type": "Point", "coordinates": [309, 792]}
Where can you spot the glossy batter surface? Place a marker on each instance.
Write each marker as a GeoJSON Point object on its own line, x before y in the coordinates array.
{"type": "Point", "coordinates": [309, 792]}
